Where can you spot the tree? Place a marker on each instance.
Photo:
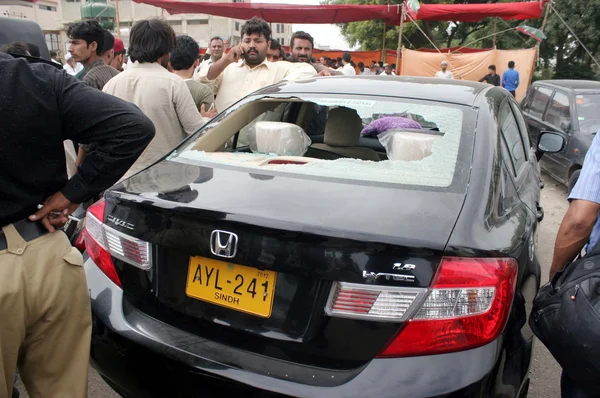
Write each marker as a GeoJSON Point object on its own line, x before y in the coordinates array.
{"type": "Point", "coordinates": [369, 34]}
{"type": "Point", "coordinates": [562, 48]}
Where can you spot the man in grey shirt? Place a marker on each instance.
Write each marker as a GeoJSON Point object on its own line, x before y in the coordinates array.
{"type": "Point", "coordinates": [183, 62]}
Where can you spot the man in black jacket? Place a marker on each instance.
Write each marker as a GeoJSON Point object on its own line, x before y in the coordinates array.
{"type": "Point", "coordinates": [44, 302]}
{"type": "Point", "coordinates": [492, 77]}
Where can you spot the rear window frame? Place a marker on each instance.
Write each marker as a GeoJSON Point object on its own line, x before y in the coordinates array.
{"type": "Point", "coordinates": [464, 156]}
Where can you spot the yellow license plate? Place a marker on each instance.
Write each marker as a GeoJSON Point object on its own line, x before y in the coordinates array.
{"type": "Point", "coordinates": [234, 286]}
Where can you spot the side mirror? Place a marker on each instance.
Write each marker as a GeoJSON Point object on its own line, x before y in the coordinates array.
{"type": "Point", "coordinates": [550, 142]}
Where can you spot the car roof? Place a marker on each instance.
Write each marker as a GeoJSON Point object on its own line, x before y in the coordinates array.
{"type": "Point", "coordinates": [426, 88]}
{"type": "Point", "coordinates": [574, 85]}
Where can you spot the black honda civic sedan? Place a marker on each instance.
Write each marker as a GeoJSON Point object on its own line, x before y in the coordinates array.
{"type": "Point", "coordinates": [335, 237]}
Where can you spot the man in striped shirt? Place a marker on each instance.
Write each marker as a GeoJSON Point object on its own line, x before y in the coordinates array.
{"type": "Point", "coordinates": [100, 72]}
{"type": "Point", "coordinates": [580, 226]}
{"type": "Point", "coordinates": [86, 41]}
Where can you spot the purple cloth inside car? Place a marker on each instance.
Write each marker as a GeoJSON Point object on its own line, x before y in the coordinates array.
{"type": "Point", "coordinates": [384, 124]}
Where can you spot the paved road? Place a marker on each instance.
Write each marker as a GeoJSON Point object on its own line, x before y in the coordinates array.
{"type": "Point", "coordinates": [545, 372]}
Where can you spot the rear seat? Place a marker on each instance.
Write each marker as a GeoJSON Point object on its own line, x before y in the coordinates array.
{"type": "Point", "coordinates": [342, 133]}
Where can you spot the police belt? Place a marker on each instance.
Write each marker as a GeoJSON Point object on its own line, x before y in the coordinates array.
{"type": "Point", "coordinates": [29, 230]}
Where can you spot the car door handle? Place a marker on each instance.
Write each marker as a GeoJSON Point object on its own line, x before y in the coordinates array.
{"type": "Point", "coordinates": [539, 212]}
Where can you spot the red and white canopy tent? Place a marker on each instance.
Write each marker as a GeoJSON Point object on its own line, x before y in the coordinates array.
{"type": "Point", "coordinates": [344, 13]}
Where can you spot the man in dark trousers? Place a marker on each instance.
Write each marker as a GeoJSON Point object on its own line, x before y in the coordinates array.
{"type": "Point", "coordinates": [45, 320]}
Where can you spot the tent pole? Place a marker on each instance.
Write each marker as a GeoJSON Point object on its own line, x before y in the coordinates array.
{"type": "Point", "coordinates": [399, 51]}
{"type": "Point", "coordinates": [546, 16]}
{"type": "Point", "coordinates": [118, 22]}
{"type": "Point", "coordinates": [495, 20]}
{"type": "Point", "coordinates": [383, 52]}
{"type": "Point", "coordinates": [537, 46]}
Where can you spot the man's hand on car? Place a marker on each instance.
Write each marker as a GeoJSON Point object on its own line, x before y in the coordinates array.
{"type": "Point", "coordinates": [210, 113]}
{"type": "Point", "coordinates": [54, 213]}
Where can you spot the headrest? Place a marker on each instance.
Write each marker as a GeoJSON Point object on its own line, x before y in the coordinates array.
{"type": "Point", "coordinates": [283, 139]}
{"type": "Point", "coordinates": [407, 145]}
{"type": "Point", "coordinates": [343, 127]}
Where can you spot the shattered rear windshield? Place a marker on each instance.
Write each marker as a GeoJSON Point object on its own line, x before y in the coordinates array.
{"type": "Point", "coordinates": [419, 143]}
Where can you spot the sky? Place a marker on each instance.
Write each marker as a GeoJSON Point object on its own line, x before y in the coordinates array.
{"type": "Point", "coordinates": [324, 35]}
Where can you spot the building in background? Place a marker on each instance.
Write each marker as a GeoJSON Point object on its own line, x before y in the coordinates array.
{"type": "Point", "coordinates": [55, 15]}
{"type": "Point", "coordinates": [282, 32]}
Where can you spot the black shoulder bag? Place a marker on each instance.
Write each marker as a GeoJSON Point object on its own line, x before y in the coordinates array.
{"type": "Point", "coordinates": [566, 318]}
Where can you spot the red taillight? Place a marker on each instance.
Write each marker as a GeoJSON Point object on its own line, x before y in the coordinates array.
{"type": "Point", "coordinates": [467, 307]}
{"type": "Point", "coordinates": [80, 242]}
{"type": "Point", "coordinates": [95, 241]}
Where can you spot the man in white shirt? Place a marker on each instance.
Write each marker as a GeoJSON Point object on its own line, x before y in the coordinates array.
{"type": "Point", "coordinates": [348, 69]}
{"type": "Point", "coordinates": [53, 55]}
{"type": "Point", "coordinates": [72, 67]}
{"type": "Point", "coordinates": [444, 73]}
{"type": "Point", "coordinates": [387, 70]}
{"type": "Point", "coordinates": [162, 96]}
{"type": "Point", "coordinates": [246, 69]}
{"type": "Point", "coordinates": [217, 48]}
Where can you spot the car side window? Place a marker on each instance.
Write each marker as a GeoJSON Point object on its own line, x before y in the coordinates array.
{"type": "Point", "coordinates": [559, 111]}
{"type": "Point", "coordinates": [512, 135]}
{"type": "Point", "coordinates": [526, 103]}
{"type": "Point", "coordinates": [539, 102]}
{"type": "Point", "coordinates": [522, 125]}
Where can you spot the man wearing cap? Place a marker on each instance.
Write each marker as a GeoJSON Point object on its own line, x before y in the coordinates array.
{"type": "Point", "coordinates": [387, 70]}
{"type": "Point", "coordinates": [444, 73]}
{"type": "Point", "coordinates": [119, 55]}
{"type": "Point", "coordinates": [72, 67]}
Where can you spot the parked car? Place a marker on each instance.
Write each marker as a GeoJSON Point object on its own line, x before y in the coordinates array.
{"type": "Point", "coordinates": [316, 263]}
{"type": "Point", "coordinates": [571, 107]}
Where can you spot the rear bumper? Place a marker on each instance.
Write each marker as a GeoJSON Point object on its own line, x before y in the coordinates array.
{"type": "Point", "coordinates": [125, 339]}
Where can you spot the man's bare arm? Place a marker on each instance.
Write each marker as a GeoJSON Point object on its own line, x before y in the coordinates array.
{"type": "Point", "coordinates": [574, 232]}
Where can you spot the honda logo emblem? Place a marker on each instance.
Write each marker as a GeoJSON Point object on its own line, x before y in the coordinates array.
{"type": "Point", "coordinates": [223, 243]}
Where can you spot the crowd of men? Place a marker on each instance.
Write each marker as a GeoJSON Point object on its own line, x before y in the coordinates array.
{"type": "Point", "coordinates": [160, 92]}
